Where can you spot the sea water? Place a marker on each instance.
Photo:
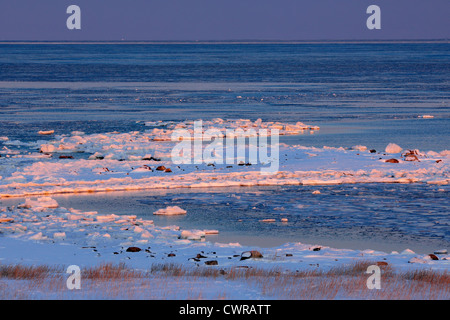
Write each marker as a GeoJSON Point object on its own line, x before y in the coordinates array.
{"type": "Point", "coordinates": [358, 93]}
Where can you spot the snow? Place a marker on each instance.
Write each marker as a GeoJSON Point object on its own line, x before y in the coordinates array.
{"type": "Point", "coordinates": [193, 234]}
{"type": "Point", "coordinates": [170, 210]}
{"type": "Point", "coordinates": [25, 174]}
{"type": "Point", "coordinates": [41, 203]}
{"type": "Point", "coordinates": [39, 231]}
{"type": "Point", "coordinates": [393, 148]}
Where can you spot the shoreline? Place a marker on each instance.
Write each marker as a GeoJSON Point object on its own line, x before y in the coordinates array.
{"type": "Point", "coordinates": [134, 188]}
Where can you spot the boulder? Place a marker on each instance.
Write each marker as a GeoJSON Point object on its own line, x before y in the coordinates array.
{"type": "Point", "coordinates": [253, 254]}
{"type": "Point", "coordinates": [391, 161]}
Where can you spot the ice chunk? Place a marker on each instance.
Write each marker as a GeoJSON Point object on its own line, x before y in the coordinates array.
{"type": "Point", "coordinates": [48, 132]}
{"type": "Point", "coordinates": [106, 218]}
{"type": "Point", "coordinates": [45, 148]}
{"type": "Point", "coordinates": [59, 235]}
{"type": "Point", "coordinates": [359, 147]}
{"type": "Point", "coordinates": [211, 231]}
{"type": "Point", "coordinates": [192, 234]}
{"type": "Point", "coordinates": [38, 236]}
{"type": "Point", "coordinates": [42, 202]}
{"type": "Point", "coordinates": [170, 210]}
{"type": "Point", "coordinates": [267, 220]}
{"type": "Point", "coordinates": [393, 148]}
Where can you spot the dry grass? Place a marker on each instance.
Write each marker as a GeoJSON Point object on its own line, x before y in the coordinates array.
{"type": "Point", "coordinates": [173, 281]}
{"type": "Point", "coordinates": [21, 272]}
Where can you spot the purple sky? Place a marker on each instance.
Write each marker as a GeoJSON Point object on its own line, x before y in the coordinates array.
{"type": "Point", "coordinates": [224, 20]}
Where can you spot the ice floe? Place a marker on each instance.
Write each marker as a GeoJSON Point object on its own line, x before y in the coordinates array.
{"type": "Point", "coordinates": [170, 210]}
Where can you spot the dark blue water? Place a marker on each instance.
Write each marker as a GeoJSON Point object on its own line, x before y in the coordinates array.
{"type": "Point", "coordinates": [370, 94]}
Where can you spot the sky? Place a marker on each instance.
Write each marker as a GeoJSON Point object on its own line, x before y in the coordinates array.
{"type": "Point", "coordinates": [223, 20]}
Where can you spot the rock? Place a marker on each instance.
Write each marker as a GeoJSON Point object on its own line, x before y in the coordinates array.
{"type": "Point", "coordinates": [211, 263]}
{"type": "Point", "coordinates": [133, 249]}
{"type": "Point", "coordinates": [161, 168]}
{"type": "Point", "coordinates": [199, 256]}
{"type": "Point", "coordinates": [316, 249]}
{"type": "Point", "coordinates": [171, 255]}
{"type": "Point", "coordinates": [65, 157]}
{"type": "Point", "coordinates": [411, 155]}
{"type": "Point", "coordinates": [391, 161]}
{"type": "Point", "coordinates": [168, 170]}
{"type": "Point", "coordinates": [372, 151]}
{"type": "Point", "coordinates": [433, 256]}
{"type": "Point", "coordinates": [3, 220]}
{"type": "Point", "coordinates": [288, 254]}
{"type": "Point", "coordinates": [151, 158]}
{"type": "Point", "coordinates": [382, 263]}
{"type": "Point", "coordinates": [251, 254]}
{"type": "Point", "coordinates": [441, 251]}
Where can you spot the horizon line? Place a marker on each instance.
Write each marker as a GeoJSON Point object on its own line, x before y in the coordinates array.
{"type": "Point", "coordinates": [222, 41]}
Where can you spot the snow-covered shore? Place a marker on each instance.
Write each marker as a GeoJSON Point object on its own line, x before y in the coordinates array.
{"type": "Point", "coordinates": [142, 160]}
{"type": "Point", "coordinates": [38, 231]}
